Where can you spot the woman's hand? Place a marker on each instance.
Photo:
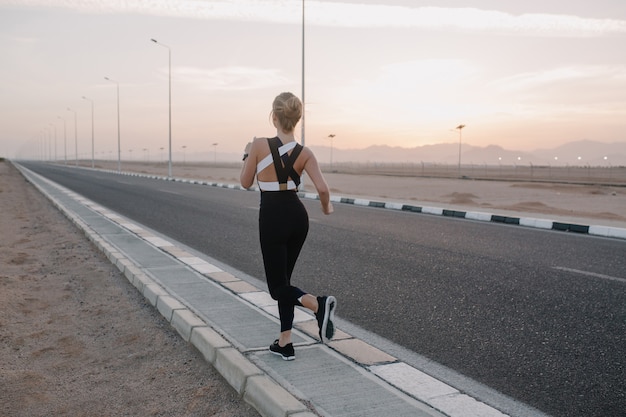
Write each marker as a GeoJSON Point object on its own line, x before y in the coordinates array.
{"type": "Point", "coordinates": [328, 208]}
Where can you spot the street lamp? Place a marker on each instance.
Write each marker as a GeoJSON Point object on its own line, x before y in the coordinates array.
{"type": "Point", "coordinates": [460, 127]}
{"type": "Point", "coordinates": [302, 125]}
{"type": "Point", "coordinates": [64, 138]}
{"type": "Point", "coordinates": [303, 112]}
{"type": "Point", "coordinates": [331, 137]}
{"type": "Point", "coordinates": [75, 137]}
{"type": "Point", "coordinates": [215, 153]}
{"type": "Point", "coordinates": [169, 54]}
{"type": "Point", "coordinates": [55, 141]}
{"type": "Point", "coordinates": [46, 144]}
{"type": "Point", "coordinates": [119, 149]}
{"type": "Point", "coordinates": [93, 164]}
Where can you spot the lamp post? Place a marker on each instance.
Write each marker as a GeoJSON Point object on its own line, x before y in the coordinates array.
{"type": "Point", "coordinates": [64, 139]}
{"type": "Point", "coordinates": [303, 112]}
{"type": "Point", "coordinates": [169, 54]}
{"type": "Point", "coordinates": [302, 126]}
{"type": "Point", "coordinates": [48, 144]}
{"type": "Point", "coordinates": [215, 153]}
{"type": "Point", "coordinates": [460, 127]}
{"type": "Point", "coordinates": [75, 137]}
{"type": "Point", "coordinates": [331, 137]}
{"type": "Point", "coordinates": [119, 149]}
{"type": "Point", "coordinates": [93, 164]}
{"type": "Point", "coordinates": [46, 150]}
{"type": "Point", "coordinates": [55, 141]}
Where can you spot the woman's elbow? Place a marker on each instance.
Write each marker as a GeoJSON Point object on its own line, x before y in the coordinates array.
{"type": "Point", "coordinates": [323, 192]}
{"type": "Point", "coordinates": [245, 181]}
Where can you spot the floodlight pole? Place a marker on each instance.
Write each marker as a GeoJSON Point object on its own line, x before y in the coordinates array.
{"type": "Point", "coordinates": [169, 54]}
{"type": "Point", "coordinates": [64, 139]}
{"type": "Point", "coordinates": [119, 149]}
{"type": "Point", "coordinates": [75, 137]}
{"type": "Point", "coordinates": [303, 111]}
{"type": "Point", "coordinates": [460, 127]}
{"type": "Point", "coordinates": [93, 163]}
{"type": "Point", "coordinates": [331, 137]}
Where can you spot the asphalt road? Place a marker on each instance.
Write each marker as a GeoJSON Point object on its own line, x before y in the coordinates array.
{"type": "Point", "coordinates": [538, 315]}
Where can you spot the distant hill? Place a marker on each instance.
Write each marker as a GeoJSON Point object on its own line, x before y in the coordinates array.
{"type": "Point", "coordinates": [584, 152]}
{"type": "Point", "coordinates": [591, 153]}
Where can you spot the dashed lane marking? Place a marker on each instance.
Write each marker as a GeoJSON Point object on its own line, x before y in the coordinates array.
{"type": "Point", "coordinates": [590, 274]}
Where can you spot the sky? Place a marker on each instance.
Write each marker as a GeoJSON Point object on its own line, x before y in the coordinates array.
{"type": "Point", "coordinates": [522, 75]}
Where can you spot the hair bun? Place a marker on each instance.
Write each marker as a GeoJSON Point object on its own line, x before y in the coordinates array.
{"type": "Point", "coordinates": [288, 109]}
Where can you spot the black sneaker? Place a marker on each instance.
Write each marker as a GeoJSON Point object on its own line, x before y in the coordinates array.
{"type": "Point", "coordinates": [286, 352]}
{"type": "Point", "coordinates": [325, 316]}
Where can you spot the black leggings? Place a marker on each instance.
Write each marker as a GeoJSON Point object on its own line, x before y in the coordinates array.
{"type": "Point", "coordinates": [283, 226]}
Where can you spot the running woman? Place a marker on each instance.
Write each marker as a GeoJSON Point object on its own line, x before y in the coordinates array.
{"type": "Point", "coordinates": [277, 163]}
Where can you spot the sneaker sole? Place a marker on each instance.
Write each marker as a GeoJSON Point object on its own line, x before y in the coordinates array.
{"type": "Point", "coordinates": [329, 316]}
{"type": "Point", "coordinates": [285, 358]}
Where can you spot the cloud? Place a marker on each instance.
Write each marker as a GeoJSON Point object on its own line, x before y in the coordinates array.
{"type": "Point", "coordinates": [230, 78]}
{"type": "Point", "coordinates": [562, 75]}
{"type": "Point", "coordinates": [581, 90]}
{"type": "Point", "coordinates": [340, 14]}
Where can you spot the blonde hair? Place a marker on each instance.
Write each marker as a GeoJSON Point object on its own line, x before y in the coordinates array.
{"type": "Point", "coordinates": [288, 110]}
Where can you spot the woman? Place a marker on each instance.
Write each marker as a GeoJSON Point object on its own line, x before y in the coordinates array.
{"type": "Point", "coordinates": [278, 164]}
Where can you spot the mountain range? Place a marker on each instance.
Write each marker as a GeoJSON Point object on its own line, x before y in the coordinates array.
{"type": "Point", "coordinates": [578, 153]}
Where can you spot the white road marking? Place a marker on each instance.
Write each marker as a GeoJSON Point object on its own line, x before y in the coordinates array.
{"type": "Point", "coordinates": [590, 274]}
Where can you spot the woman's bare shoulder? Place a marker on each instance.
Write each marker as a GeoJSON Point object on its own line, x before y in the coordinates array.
{"type": "Point", "coordinates": [307, 152]}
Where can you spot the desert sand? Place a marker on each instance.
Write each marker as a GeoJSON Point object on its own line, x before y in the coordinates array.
{"type": "Point", "coordinates": [76, 338]}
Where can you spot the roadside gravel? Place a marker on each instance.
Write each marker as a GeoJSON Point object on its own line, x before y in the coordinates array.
{"type": "Point", "coordinates": [76, 338]}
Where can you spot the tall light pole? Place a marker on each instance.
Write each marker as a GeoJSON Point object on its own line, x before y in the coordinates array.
{"type": "Point", "coordinates": [460, 127]}
{"type": "Point", "coordinates": [55, 141]}
{"type": "Point", "coordinates": [93, 163]}
{"type": "Point", "coordinates": [331, 137]}
{"type": "Point", "coordinates": [169, 54]}
{"type": "Point", "coordinates": [75, 137]}
{"type": "Point", "coordinates": [303, 112]}
{"type": "Point", "coordinates": [119, 149]}
{"type": "Point", "coordinates": [64, 139]}
{"type": "Point", "coordinates": [47, 144]}
{"type": "Point", "coordinates": [303, 32]}
{"type": "Point", "coordinates": [215, 153]}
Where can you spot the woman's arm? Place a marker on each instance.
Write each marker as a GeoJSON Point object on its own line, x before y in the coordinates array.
{"type": "Point", "coordinates": [314, 172]}
{"type": "Point", "coordinates": [248, 170]}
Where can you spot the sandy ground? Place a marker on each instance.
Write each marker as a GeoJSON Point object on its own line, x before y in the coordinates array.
{"type": "Point", "coordinates": [76, 339]}
{"type": "Point", "coordinates": [581, 204]}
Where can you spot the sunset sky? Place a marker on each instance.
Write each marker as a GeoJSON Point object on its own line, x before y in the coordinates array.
{"type": "Point", "coordinates": [522, 75]}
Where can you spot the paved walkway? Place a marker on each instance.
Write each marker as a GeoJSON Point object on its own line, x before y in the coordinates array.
{"type": "Point", "coordinates": [227, 318]}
